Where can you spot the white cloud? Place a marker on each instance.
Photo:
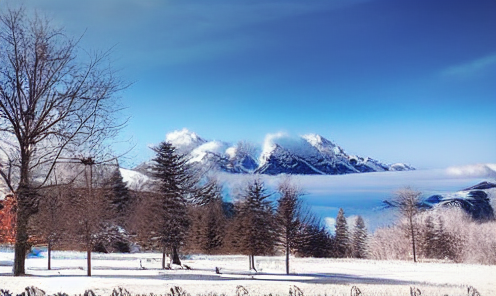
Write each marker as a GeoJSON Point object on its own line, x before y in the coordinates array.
{"type": "Point", "coordinates": [363, 194]}
{"type": "Point", "coordinates": [475, 170]}
{"type": "Point", "coordinates": [330, 223]}
{"type": "Point", "coordinates": [270, 143]}
{"type": "Point", "coordinates": [471, 68]}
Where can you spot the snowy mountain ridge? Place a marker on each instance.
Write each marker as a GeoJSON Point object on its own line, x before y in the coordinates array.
{"type": "Point", "coordinates": [309, 154]}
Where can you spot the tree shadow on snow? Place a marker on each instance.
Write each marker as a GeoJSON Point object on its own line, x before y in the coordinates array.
{"type": "Point", "coordinates": [232, 275]}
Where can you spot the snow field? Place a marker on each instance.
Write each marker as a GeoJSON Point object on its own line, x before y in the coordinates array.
{"type": "Point", "coordinates": [313, 276]}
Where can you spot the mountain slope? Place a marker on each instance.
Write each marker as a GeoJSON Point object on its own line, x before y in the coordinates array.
{"type": "Point", "coordinates": [309, 154]}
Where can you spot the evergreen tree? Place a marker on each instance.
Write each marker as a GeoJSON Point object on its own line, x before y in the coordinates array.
{"type": "Point", "coordinates": [209, 221]}
{"type": "Point", "coordinates": [120, 197]}
{"type": "Point", "coordinates": [359, 240]}
{"type": "Point", "coordinates": [253, 225]}
{"type": "Point", "coordinates": [342, 241]}
{"type": "Point", "coordinates": [314, 241]}
{"type": "Point", "coordinates": [171, 217]}
{"type": "Point", "coordinates": [429, 239]}
{"type": "Point", "coordinates": [446, 244]}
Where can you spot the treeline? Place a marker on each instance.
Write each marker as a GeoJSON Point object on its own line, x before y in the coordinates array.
{"type": "Point", "coordinates": [184, 212]}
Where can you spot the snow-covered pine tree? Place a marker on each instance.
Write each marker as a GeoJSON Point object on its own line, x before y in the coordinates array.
{"type": "Point", "coordinates": [342, 240]}
{"type": "Point", "coordinates": [253, 229]}
{"type": "Point", "coordinates": [169, 208]}
{"type": "Point", "coordinates": [359, 239]}
{"type": "Point", "coordinates": [447, 245]}
{"type": "Point", "coordinates": [428, 239]}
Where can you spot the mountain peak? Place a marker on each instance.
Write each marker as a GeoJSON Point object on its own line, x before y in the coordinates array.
{"type": "Point", "coordinates": [323, 145]}
{"type": "Point", "coordinates": [184, 140]}
{"type": "Point", "coordinates": [281, 154]}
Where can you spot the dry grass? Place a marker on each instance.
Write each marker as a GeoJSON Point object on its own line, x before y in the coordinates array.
{"type": "Point", "coordinates": [241, 291]}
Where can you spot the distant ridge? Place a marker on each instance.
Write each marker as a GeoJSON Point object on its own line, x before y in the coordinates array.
{"type": "Point", "coordinates": [309, 154]}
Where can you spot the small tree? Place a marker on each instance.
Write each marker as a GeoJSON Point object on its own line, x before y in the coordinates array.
{"type": "Point", "coordinates": [89, 210]}
{"type": "Point", "coordinates": [342, 239]}
{"type": "Point", "coordinates": [407, 200]}
{"type": "Point", "coordinates": [359, 239]}
{"type": "Point", "coordinates": [50, 223]}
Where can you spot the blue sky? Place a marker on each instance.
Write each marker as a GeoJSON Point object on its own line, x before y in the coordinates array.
{"type": "Point", "coordinates": [401, 81]}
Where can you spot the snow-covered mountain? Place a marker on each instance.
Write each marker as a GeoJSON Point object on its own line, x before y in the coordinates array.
{"type": "Point", "coordinates": [475, 200]}
{"type": "Point", "coordinates": [306, 155]}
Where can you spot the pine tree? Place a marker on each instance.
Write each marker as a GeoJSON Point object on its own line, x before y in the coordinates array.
{"type": "Point", "coordinates": [209, 221]}
{"type": "Point", "coordinates": [429, 239]}
{"type": "Point", "coordinates": [446, 244]}
{"type": "Point", "coordinates": [120, 197]}
{"type": "Point", "coordinates": [342, 241]}
{"type": "Point", "coordinates": [359, 241]}
{"type": "Point", "coordinates": [171, 217]}
{"type": "Point", "coordinates": [120, 207]}
{"type": "Point", "coordinates": [314, 241]}
{"type": "Point", "coordinates": [253, 225]}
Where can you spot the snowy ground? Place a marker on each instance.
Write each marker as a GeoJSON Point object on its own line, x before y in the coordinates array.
{"type": "Point", "coordinates": [312, 276]}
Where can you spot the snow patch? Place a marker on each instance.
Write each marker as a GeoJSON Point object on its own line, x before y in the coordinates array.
{"type": "Point", "coordinates": [134, 180]}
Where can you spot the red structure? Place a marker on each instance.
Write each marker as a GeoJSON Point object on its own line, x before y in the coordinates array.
{"type": "Point", "coordinates": [7, 220]}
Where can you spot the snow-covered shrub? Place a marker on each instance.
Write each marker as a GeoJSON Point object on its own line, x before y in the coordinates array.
{"type": "Point", "coordinates": [390, 243]}
{"type": "Point", "coordinates": [448, 234]}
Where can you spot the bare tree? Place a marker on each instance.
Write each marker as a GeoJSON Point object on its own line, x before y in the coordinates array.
{"type": "Point", "coordinates": [408, 200]}
{"type": "Point", "coordinates": [90, 210]}
{"type": "Point", "coordinates": [290, 218]}
{"type": "Point", "coordinates": [52, 104]}
{"type": "Point", "coordinates": [50, 223]}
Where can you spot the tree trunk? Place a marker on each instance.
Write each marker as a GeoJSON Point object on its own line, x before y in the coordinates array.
{"type": "Point", "coordinates": [175, 256]}
{"type": "Point", "coordinates": [287, 258]}
{"type": "Point", "coordinates": [163, 257]}
{"type": "Point", "coordinates": [21, 244]}
{"type": "Point", "coordinates": [253, 262]}
{"type": "Point", "coordinates": [413, 240]}
{"type": "Point", "coordinates": [49, 255]}
{"type": "Point", "coordinates": [24, 209]}
{"type": "Point", "coordinates": [22, 216]}
{"type": "Point", "coordinates": [88, 258]}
